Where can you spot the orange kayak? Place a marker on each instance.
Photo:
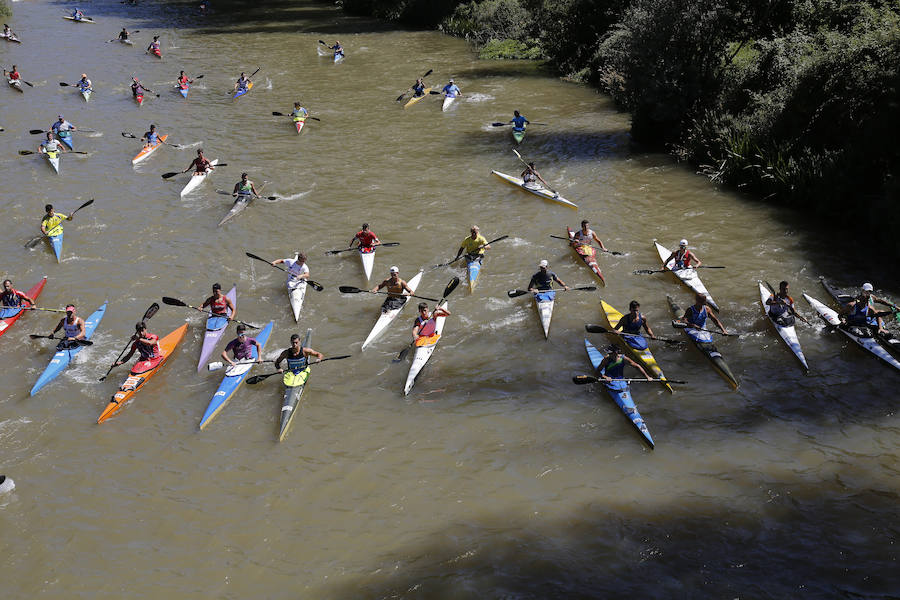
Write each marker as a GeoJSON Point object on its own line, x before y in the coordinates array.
{"type": "Point", "coordinates": [137, 381]}
{"type": "Point", "coordinates": [588, 254]}
{"type": "Point", "coordinates": [148, 149]}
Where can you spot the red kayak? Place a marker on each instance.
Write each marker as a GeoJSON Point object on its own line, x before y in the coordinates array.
{"type": "Point", "coordinates": [8, 316]}
{"type": "Point", "coordinates": [139, 99]}
{"type": "Point", "coordinates": [156, 53]}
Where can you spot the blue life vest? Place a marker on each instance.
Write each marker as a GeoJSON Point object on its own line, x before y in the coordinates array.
{"type": "Point", "coordinates": [296, 365]}
{"type": "Point", "coordinates": [697, 318]}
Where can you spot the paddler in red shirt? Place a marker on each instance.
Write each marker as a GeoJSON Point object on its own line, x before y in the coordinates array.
{"type": "Point", "coordinates": [366, 239]}
{"type": "Point", "coordinates": [11, 297]}
{"type": "Point", "coordinates": [218, 303]}
{"type": "Point", "coordinates": [12, 75]}
{"type": "Point", "coordinates": [147, 345]}
{"type": "Point", "coordinates": [425, 324]}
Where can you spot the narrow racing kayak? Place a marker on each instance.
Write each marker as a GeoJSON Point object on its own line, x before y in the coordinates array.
{"type": "Point", "coordinates": [687, 276]}
{"type": "Point", "coordinates": [139, 98]}
{"type": "Point", "coordinates": [141, 372]}
{"type": "Point", "coordinates": [10, 38]}
{"type": "Point", "coordinates": [887, 340]}
{"type": "Point", "coordinates": [234, 377]}
{"type": "Point", "coordinates": [15, 84]}
{"type": "Point", "coordinates": [368, 261]}
{"type": "Point", "coordinates": [294, 385]}
{"type": "Point", "coordinates": [79, 20]}
{"type": "Point", "coordinates": [544, 308]}
{"type": "Point", "coordinates": [473, 268]}
{"type": "Point", "coordinates": [242, 91]}
{"type": "Point", "coordinates": [183, 89]}
{"type": "Point", "coordinates": [423, 351]}
{"type": "Point", "coordinates": [86, 93]}
{"type": "Point", "coordinates": [215, 329]}
{"type": "Point", "coordinates": [338, 57]}
{"type": "Point", "coordinates": [788, 333]}
{"type": "Point", "coordinates": [637, 347]}
{"type": "Point", "coordinates": [197, 179]}
{"type": "Point", "coordinates": [518, 135]}
{"type": "Point", "coordinates": [387, 317]}
{"type": "Point", "coordinates": [586, 253]}
{"type": "Point", "coordinates": [148, 149]}
{"type": "Point", "coordinates": [156, 52]}
{"type": "Point", "coordinates": [238, 207]}
{"type": "Point", "coordinates": [447, 102]}
{"type": "Point", "coordinates": [67, 140]}
{"type": "Point", "coordinates": [296, 293]}
{"type": "Point", "coordinates": [299, 125]}
{"type": "Point", "coordinates": [619, 391]}
{"type": "Point", "coordinates": [11, 314]}
{"type": "Point", "coordinates": [53, 159]}
{"type": "Point", "coordinates": [537, 191]}
{"type": "Point", "coordinates": [56, 243]}
{"type": "Point", "coordinates": [860, 335]}
{"type": "Point", "coordinates": [703, 341]}
{"type": "Point", "coordinates": [62, 358]}
{"type": "Point", "coordinates": [415, 99]}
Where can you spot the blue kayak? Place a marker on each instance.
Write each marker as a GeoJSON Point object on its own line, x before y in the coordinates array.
{"type": "Point", "coordinates": [473, 267]}
{"type": "Point", "coordinates": [234, 377]}
{"type": "Point", "coordinates": [67, 140]}
{"type": "Point", "coordinates": [56, 243]}
{"type": "Point", "coordinates": [62, 358]}
{"type": "Point", "coordinates": [620, 393]}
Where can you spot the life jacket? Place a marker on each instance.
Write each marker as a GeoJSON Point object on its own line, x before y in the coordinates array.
{"type": "Point", "coordinates": [427, 327]}
{"type": "Point", "coordinates": [71, 330]}
{"type": "Point", "coordinates": [616, 370]}
{"type": "Point", "coordinates": [219, 306]}
{"type": "Point", "coordinates": [697, 318]}
{"type": "Point", "coordinates": [780, 312]}
{"type": "Point", "coordinates": [682, 260]}
{"type": "Point", "coordinates": [297, 364]}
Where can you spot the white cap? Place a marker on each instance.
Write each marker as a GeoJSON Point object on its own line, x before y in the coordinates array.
{"type": "Point", "coordinates": [543, 263]}
{"type": "Point", "coordinates": [867, 287]}
{"type": "Point", "coordinates": [682, 243]}
{"type": "Point", "coordinates": [394, 270]}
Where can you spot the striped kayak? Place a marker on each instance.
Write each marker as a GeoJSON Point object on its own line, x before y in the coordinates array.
{"type": "Point", "coordinates": [234, 377]}
{"type": "Point", "coordinates": [242, 91]}
{"type": "Point", "coordinates": [423, 352]}
{"type": "Point", "coordinates": [473, 268]}
{"type": "Point", "coordinates": [215, 329]}
{"type": "Point", "coordinates": [888, 341]}
{"type": "Point", "coordinates": [518, 136]}
{"type": "Point", "coordinates": [141, 372]}
{"type": "Point", "coordinates": [545, 311]}
{"type": "Point", "coordinates": [788, 334]}
{"type": "Point", "coordinates": [149, 149]}
{"type": "Point", "coordinates": [688, 276]}
{"type": "Point", "coordinates": [587, 253]}
{"type": "Point", "coordinates": [538, 191]}
{"type": "Point", "coordinates": [368, 261]}
{"type": "Point", "coordinates": [86, 93]}
{"type": "Point", "coordinates": [238, 207]}
{"type": "Point", "coordinates": [299, 125]}
{"type": "Point", "coordinates": [62, 358]}
{"type": "Point", "coordinates": [867, 342]}
{"type": "Point", "coordinates": [10, 315]}
{"type": "Point", "coordinates": [293, 392]}
{"type": "Point", "coordinates": [56, 243]}
{"type": "Point", "coordinates": [387, 317]}
{"type": "Point", "coordinates": [703, 341]}
{"type": "Point", "coordinates": [183, 89]}
{"type": "Point", "coordinates": [415, 99]}
{"type": "Point", "coordinates": [619, 391]}
{"type": "Point", "coordinates": [643, 356]}
{"type": "Point", "coordinates": [447, 102]}
{"type": "Point", "coordinates": [196, 179]}
{"type": "Point", "coordinates": [53, 159]}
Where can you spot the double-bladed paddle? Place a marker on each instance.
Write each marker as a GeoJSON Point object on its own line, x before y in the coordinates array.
{"type": "Point", "coordinates": [682, 325]}
{"type": "Point", "coordinates": [649, 271]}
{"type": "Point", "coordinates": [224, 193]}
{"type": "Point", "coordinates": [275, 113]}
{"type": "Point", "coordinates": [125, 134]}
{"type": "Point", "coordinates": [516, 152]}
{"type": "Point", "coordinates": [130, 33]}
{"type": "Point", "coordinates": [499, 124]}
{"type": "Point", "coordinates": [790, 308]}
{"type": "Point", "coordinates": [248, 79]}
{"type": "Point", "coordinates": [30, 152]}
{"type": "Point", "coordinates": [34, 241]}
{"type": "Point", "coordinates": [316, 286]}
{"type": "Point", "coordinates": [582, 288]}
{"type": "Point", "coordinates": [59, 310]}
{"type": "Point", "coordinates": [586, 379]}
{"type": "Point", "coordinates": [447, 264]}
{"type": "Point", "coordinates": [451, 285]}
{"type": "Point", "coordinates": [177, 302]}
{"type": "Point", "coordinates": [148, 314]}
{"type": "Point", "coordinates": [427, 73]}
{"type": "Point", "coordinates": [384, 244]}
{"type": "Point", "coordinates": [257, 378]}
{"type": "Point", "coordinates": [613, 252]}
{"type": "Point", "coordinates": [37, 131]}
{"type": "Point", "coordinates": [174, 173]}
{"type": "Point", "coordinates": [598, 329]}
{"type": "Point", "coordinates": [349, 289]}
{"type": "Point", "coordinates": [38, 336]}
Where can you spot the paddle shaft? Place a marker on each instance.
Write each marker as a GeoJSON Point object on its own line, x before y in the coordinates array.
{"type": "Point", "coordinates": [315, 285]}
{"type": "Point", "coordinates": [177, 302]}
{"type": "Point", "coordinates": [148, 314]}
{"type": "Point", "coordinates": [559, 237]}
{"type": "Point", "coordinates": [516, 152]}
{"type": "Point", "coordinates": [447, 264]}
{"type": "Point", "coordinates": [599, 329]}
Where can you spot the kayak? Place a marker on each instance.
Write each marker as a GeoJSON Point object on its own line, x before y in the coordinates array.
{"type": "Point", "coordinates": [142, 371]}
{"type": "Point", "coordinates": [703, 341]}
{"type": "Point", "coordinates": [56, 243]}
{"type": "Point", "coordinates": [239, 205]}
{"type": "Point", "coordinates": [293, 392]}
{"type": "Point", "coordinates": [447, 102]}
{"type": "Point", "coordinates": [53, 159]}
{"type": "Point", "coordinates": [545, 311]}
{"type": "Point", "coordinates": [296, 293]}
{"type": "Point", "coordinates": [215, 329]}
{"type": "Point", "coordinates": [887, 340]}
{"type": "Point", "coordinates": [299, 125]}
{"type": "Point", "coordinates": [537, 191]}
{"type": "Point", "coordinates": [588, 254]}
{"type": "Point", "coordinates": [15, 84]}
{"type": "Point", "coordinates": [368, 261]}
{"type": "Point", "coordinates": [196, 179]}
{"type": "Point", "coordinates": [148, 149]}
{"type": "Point", "coordinates": [242, 91]}
{"type": "Point", "coordinates": [11, 314]}
{"type": "Point", "coordinates": [789, 333]}
{"type": "Point", "coordinates": [687, 276]}
{"type": "Point", "coordinates": [386, 318]}
{"type": "Point", "coordinates": [81, 20]}
{"type": "Point", "coordinates": [619, 391]}
{"type": "Point", "coordinates": [338, 58]}
{"type": "Point", "coordinates": [86, 94]}
{"type": "Point", "coordinates": [183, 89]}
{"type": "Point", "coordinates": [156, 52]}
{"type": "Point", "coordinates": [323, 52]}
{"type": "Point", "coordinates": [518, 136]}
{"type": "Point", "coordinates": [473, 268]}
{"type": "Point", "coordinates": [10, 38]}
{"type": "Point", "coordinates": [62, 358]}
{"type": "Point", "coordinates": [642, 355]}
{"type": "Point", "coordinates": [423, 351]}
{"type": "Point", "coordinates": [139, 98]}
{"type": "Point", "coordinates": [129, 42]}
{"type": "Point", "coordinates": [67, 140]}
{"type": "Point", "coordinates": [415, 99]}
{"type": "Point", "coordinates": [234, 377]}
{"type": "Point", "coordinates": [865, 341]}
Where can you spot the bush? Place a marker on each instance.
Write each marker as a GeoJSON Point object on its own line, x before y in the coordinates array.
{"type": "Point", "coordinates": [5, 10]}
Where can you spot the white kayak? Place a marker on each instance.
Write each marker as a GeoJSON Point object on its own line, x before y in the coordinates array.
{"type": "Point", "coordinates": [422, 353]}
{"type": "Point", "coordinates": [368, 262]}
{"type": "Point", "coordinates": [788, 334]}
{"type": "Point", "coordinates": [869, 343]}
{"type": "Point", "coordinates": [53, 159]}
{"type": "Point", "coordinates": [296, 293]}
{"type": "Point", "coordinates": [197, 179]}
{"type": "Point", "coordinates": [537, 191]}
{"type": "Point", "coordinates": [545, 311]}
{"type": "Point", "coordinates": [387, 317]}
{"type": "Point", "coordinates": [447, 102]}
{"type": "Point", "coordinates": [687, 276]}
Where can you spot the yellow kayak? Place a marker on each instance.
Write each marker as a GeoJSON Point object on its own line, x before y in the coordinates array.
{"type": "Point", "coordinates": [415, 99]}
{"type": "Point", "coordinates": [645, 357]}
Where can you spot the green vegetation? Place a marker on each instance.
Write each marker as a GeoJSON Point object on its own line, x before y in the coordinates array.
{"type": "Point", "coordinates": [5, 10]}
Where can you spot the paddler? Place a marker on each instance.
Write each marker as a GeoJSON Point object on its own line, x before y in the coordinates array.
{"type": "Point", "coordinates": [243, 188]}
{"type": "Point", "coordinates": [683, 257]}
{"type": "Point", "coordinates": [366, 239]}
{"type": "Point", "coordinates": [200, 164]}
{"type": "Point", "coordinates": [632, 323]}
{"type": "Point", "coordinates": [219, 303]}
{"type": "Point", "coordinates": [451, 90]}
{"type": "Point", "coordinates": [518, 121]}
{"type": "Point", "coordinates": [183, 80]}
{"type": "Point", "coordinates": [13, 298]}
{"type": "Point", "coordinates": [542, 281]}
{"type": "Point", "coordinates": [297, 357]}
{"type": "Point", "coordinates": [77, 14]}
{"type": "Point", "coordinates": [154, 46]}
{"type": "Point", "coordinates": [860, 312]}
{"type": "Point", "coordinates": [473, 245]}
{"type": "Point", "coordinates": [425, 324]}
{"type": "Point", "coordinates": [242, 83]}
{"type": "Point", "coordinates": [73, 328]}
{"type": "Point", "coordinates": [696, 314]}
{"type": "Point", "coordinates": [299, 113]}
{"type": "Point", "coordinates": [338, 49]}
{"type": "Point", "coordinates": [613, 365]}
{"type": "Point", "coordinates": [123, 35]}
{"type": "Point", "coordinates": [7, 32]}
{"type": "Point", "coordinates": [51, 223]}
{"type": "Point", "coordinates": [151, 137]}
{"type": "Point", "coordinates": [12, 75]}
{"type": "Point", "coordinates": [418, 88]}
{"type": "Point", "coordinates": [62, 128]}
{"type": "Point", "coordinates": [84, 84]}
{"type": "Point", "coordinates": [296, 267]}
{"type": "Point", "coordinates": [51, 144]}
{"type": "Point", "coordinates": [146, 344]}
{"type": "Point", "coordinates": [241, 347]}
{"type": "Point", "coordinates": [585, 236]}
{"type": "Point", "coordinates": [530, 177]}
{"type": "Point", "coordinates": [781, 307]}
{"type": "Point", "coordinates": [396, 288]}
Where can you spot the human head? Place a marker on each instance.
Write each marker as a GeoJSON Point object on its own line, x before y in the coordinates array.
{"type": "Point", "coordinates": [48, 208]}
{"type": "Point", "coordinates": [199, 151]}
{"type": "Point", "coordinates": [613, 350]}
{"type": "Point", "coordinates": [84, 75]}
{"type": "Point", "coordinates": [451, 81]}
{"type": "Point", "coordinates": [242, 73]}
{"type": "Point", "coordinates": [301, 258]}
{"type": "Point", "coordinates": [395, 271]}
{"type": "Point", "coordinates": [241, 330]}
{"type": "Point", "coordinates": [634, 305]}
{"type": "Point", "coordinates": [49, 135]}
{"type": "Point", "coordinates": [7, 284]}
{"type": "Point", "coordinates": [700, 299]}
{"type": "Point", "coordinates": [243, 176]}
{"type": "Point", "coordinates": [474, 230]}
{"type": "Point", "coordinates": [585, 223]}
{"type": "Point", "coordinates": [531, 165]}
{"type": "Point", "coordinates": [365, 226]}
{"type": "Point", "coordinates": [295, 340]}
{"type": "Point", "coordinates": [296, 105]}
{"type": "Point", "coordinates": [140, 327]}
{"type": "Point", "coordinates": [683, 243]}
{"type": "Point", "coordinates": [70, 309]}
{"type": "Point", "coordinates": [217, 287]}
{"type": "Point", "coordinates": [544, 264]}
{"type": "Point", "coordinates": [155, 37]}
{"type": "Point", "coordinates": [152, 127]}
{"type": "Point", "coordinates": [868, 287]}
{"type": "Point", "coordinates": [783, 286]}
{"type": "Point", "coordinates": [516, 113]}
{"type": "Point", "coordinates": [60, 117]}
{"type": "Point", "coordinates": [423, 306]}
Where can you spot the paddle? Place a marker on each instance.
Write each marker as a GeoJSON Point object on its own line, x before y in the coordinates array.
{"type": "Point", "coordinates": [583, 288]}
{"type": "Point", "coordinates": [681, 325]}
{"type": "Point", "coordinates": [131, 33]}
{"type": "Point", "coordinates": [498, 124]}
{"type": "Point", "coordinates": [59, 310]}
{"type": "Point", "coordinates": [427, 73]}
{"type": "Point", "coordinates": [275, 113]}
{"type": "Point", "coordinates": [447, 264]}
{"type": "Point", "coordinates": [125, 134]}
{"type": "Point", "coordinates": [174, 173]}
{"type": "Point", "coordinates": [224, 193]}
{"type": "Point", "coordinates": [316, 286]}
{"type": "Point", "coordinates": [29, 152]}
{"type": "Point", "coordinates": [147, 316]}
{"type": "Point", "coordinates": [559, 237]}
{"type": "Point", "coordinates": [233, 90]}
{"type": "Point", "coordinates": [516, 152]}
{"type": "Point", "coordinates": [34, 241]}
{"type": "Point", "coordinates": [37, 336]}
{"type": "Point", "coordinates": [385, 244]}
{"type": "Point", "coordinates": [37, 131]}
{"type": "Point", "coordinates": [177, 302]}
{"type": "Point", "coordinates": [257, 378]}
{"type": "Point", "coordinates": [790, 308]}
{"type": "Point", "coordinates": [349, 289]}
{"type": "Point", "coordinates": [598, 329]}
{"type": "Point", "coordinates": [586, 379]}
{"type": "Point", "coordinates": [451, 285]}
{"type": "Point", "coordinates": [649, 271]}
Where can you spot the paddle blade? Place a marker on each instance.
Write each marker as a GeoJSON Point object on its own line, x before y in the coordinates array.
{"type": "Point", "coordinates": [25, 152]}
{"type": "Point", "coordinates": [63, 84]}
{"type": "Point", "coordinates": [152, 310]}
{"type": "Point", "coordinates": [251, 255]}
{"type": "Point", "coordinates": [169, 175]}
{"type": "Point", "coordinates": [498, 124]}
{"type": "Point", "coordinates": [427, 73]}
{"type": "Point", "coordinates": [349, 289]}
{"type": "Point", "coordinates": [585, 288]}
{"type": "Point", "coordinates": [257, 378]}
{"type": "Point", "coordinates": [595, 328]}
{"type": "Point", "coordinates": [679, 324]}
{"type": "Point", "coordinates": [38, 336]}
{"type": "Point", "coordinates": [584, 379]}
{"type": "Point", "coordinates": [85, 205]}
{"type": "Point", "coordinates": [616, 253]}
{"type": "Point", "coordinates": [84, 342]}
{"type": "Point", "coordinates": [645, 272]}
{"type": "Point", "coordinates": [315, 285]}
{"type": "Point", "coordinates": [275, 113]}
{"type": "Point", "coordinates": [434, 93]}
{"type": "Point", "coordinates": [33, 242]}
{"type": "Point", "coordinates": [403, 353]}
{"type": "Point", "coordinates": [35, 131]}
{"type": "Point", "coordinates": [173, 301]}
{"type": "Point", "coordinates": [516, 293]}
{"type": "Point", "coordinates": [215, 366]}
{"type": "Point", "coordinates": [451, 286]}
{"type": "Point", "coordinates": [400, 97]}
{"type": "Point", "coordinates": [129, 135]}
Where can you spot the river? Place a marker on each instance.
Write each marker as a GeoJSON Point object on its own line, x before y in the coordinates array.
{"type": "Point", "coordinates": [496, 477]}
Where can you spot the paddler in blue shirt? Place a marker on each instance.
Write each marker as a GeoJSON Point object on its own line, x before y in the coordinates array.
{"type": "Point", "coordinates": [297, 357]}
{"type": "Point", "coordinates": [418, 88]}
{"type": "Point", "coordinates": [84, 83]}
{"type": "Point", "coordinates": [613, 365]}
{"type": "Point", "coordinates": [299, 113]}
{"type": "Point", "coordinates": [151, 137]}
{"type": "Point", "coordinates": [518, 121]}
{"type": "Point", "coordinates": [860, 312]}
{"type": "Point", "coordinates": [338, 49]}
{"type": "Point", "coordinates": [77, 14]}
{"type": "Point", "coordinates": [696, 314]}
{"type": "Point", "coordinates": [632, 323]}
{"type": "Point", "coordinates": [451, 90]}
{"type": "Point", "coordinates": [62, 128]}
{"type": "Point", "coordinates": [542, 281]}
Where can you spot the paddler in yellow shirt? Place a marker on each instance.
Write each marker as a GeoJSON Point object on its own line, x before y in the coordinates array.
{"type": "Point", "coordinates": [473, 245]}
{"type": "Point", "coordinates": [51, 224]}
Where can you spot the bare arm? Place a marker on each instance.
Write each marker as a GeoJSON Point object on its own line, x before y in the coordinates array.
{"type": "Point", "coordinates": [637, 366]}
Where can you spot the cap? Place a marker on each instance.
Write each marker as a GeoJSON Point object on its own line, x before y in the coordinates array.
{"type": "Point", "coordinates": [682, 243]}
{"type": "Point", "coordinates": [70, 307]}
{"type": "Point", "coordinates": [60, 116]}
{"type": "Point", "coordinates": [867, 287]}
{"type": "Point", "coordinates": [241, 329]}
{"type": "Point", "coordinates": [394, 270]}
{"type": "Point", "coordinates": [543, 264]}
